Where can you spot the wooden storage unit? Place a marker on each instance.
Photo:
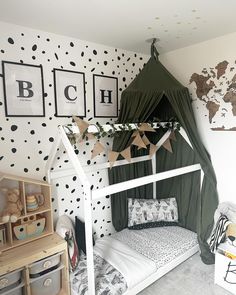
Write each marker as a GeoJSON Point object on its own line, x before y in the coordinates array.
{"type": "Point", "coordinates": [29, 219]}
{"type": "Point", "coordinates": [27, 257]}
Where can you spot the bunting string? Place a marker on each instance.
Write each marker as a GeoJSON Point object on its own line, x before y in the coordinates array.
{"type": "Point", "coordinates": [140, 140]}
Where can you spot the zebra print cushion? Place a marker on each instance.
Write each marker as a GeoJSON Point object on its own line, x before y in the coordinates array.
{"type": "Point", "coordinates": [218, 233]}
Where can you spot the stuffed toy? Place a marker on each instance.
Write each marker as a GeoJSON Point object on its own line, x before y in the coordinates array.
{"type": "Point", "coordinates": [13, 207]}
{"type": "Point", "coordinates": [231, 234]}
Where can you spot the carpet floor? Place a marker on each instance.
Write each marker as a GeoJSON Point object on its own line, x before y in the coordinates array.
{"type": "Point", "coordinates": [192, 277]}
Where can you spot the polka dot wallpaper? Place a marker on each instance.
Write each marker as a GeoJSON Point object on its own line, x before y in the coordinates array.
{"type": "Point", "coordinates": [25, 143]}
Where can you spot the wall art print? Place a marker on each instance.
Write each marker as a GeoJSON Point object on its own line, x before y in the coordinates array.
{"type": "Point", "coordinates": [105, 96]}
{"type": "Point", "coordinates": [23, 89]}
{"type": "Point", "coordinates": [69, 88]}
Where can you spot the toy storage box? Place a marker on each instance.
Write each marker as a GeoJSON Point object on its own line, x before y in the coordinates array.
{"type": "Point", "coordinates": [11, 283]}
{"type": "Point", "coordinates": [225, 270]}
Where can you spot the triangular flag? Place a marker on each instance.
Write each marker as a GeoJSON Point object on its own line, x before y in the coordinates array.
{"type": "Point", "coordinates": [97, 149]}
{"type": "Point", "coordinates": [167, 145]}
{"type": "Point", "coordinates": [112, 157]}
{"type": "Point", "coordinates": [172, 136]}
{"type": "Point", "coordinates": [82, 125]}
{"type": "Point", "coordinates": [153, 148]}
{"type": "Point", "coordinates": [126, 154]}
{"type": "Point", "coordinates": [146, 127]}
{"type": "Point", "coordinates": [135, 133]}
{"type": "Point", "coordinates": [145, 140]}
{"type": "Point", "coordinates": [139, 142]}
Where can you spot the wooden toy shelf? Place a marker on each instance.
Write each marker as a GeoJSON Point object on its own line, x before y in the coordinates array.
{"type": "Point", "coordinates": [32, 224]}
{"type": "Point", "coordinates": [24, 259]}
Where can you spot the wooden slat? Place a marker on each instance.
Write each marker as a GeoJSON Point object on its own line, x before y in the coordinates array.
{"type": "Point", "coordinates": [122, 186]}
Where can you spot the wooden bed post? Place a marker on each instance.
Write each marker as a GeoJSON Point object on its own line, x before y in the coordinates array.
{"type": "Point", "coordinates": [154, 171]}
{"type": "Point", "coordinates": [87, 210]}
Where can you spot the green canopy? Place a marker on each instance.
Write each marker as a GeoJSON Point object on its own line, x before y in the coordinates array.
{"type": "Point", "coordinates": [156, 93]}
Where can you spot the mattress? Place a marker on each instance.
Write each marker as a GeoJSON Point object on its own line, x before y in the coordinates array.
{"type": "Point", "coordinates": [129, 256]}
{"type": "Point", "coordinates": [159, 244]}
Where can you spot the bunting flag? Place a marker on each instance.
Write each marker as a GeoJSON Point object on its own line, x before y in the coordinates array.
{"type": "Point", "coordinates": [135, 133]}
{"type": "Point", "coordinates": [153, 148]}
{"type": "Point", "coordinates": [145, 140]}
{"type": "Point", "coordinates": [112, 157]}
{"type": "Point", "coordinates": [83, 125]}
{"type": "Point", "coordinates": [172, 136]}
{"type": "Point", "coordinates": [167, 145]}
{"type": "Point", "coordinates": [97, 149]}
{"type": "Point", "coordinates": [139, 142]}
{"type": "Point", "coordinates": [126, 154]}
{"type": "Point", "coordinates": [146, 127]}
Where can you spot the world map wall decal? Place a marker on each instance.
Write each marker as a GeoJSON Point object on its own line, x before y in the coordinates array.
{"type": "Point", "coordinates": [215, 88]}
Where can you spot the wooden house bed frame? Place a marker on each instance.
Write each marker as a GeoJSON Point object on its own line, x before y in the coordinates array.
{"type": "Point", "coordinates": [90, 195]}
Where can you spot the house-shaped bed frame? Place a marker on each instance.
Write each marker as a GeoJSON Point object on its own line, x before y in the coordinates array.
{"type": "Point", "coordinates": [90, 195]}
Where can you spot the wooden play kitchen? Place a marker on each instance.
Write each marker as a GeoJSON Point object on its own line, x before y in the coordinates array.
{"type": "Point", "coordinates": [33, 259]}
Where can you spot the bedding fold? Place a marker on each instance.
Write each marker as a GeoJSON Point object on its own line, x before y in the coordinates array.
{"type": "Point", "coordinates": [134, 266]}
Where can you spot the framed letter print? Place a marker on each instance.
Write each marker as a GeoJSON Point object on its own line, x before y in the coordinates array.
{"type": "Point", "coordinates": [69, 89]}
{"type": "Point", "coordinates": [23, 90]}
{"type": "Point", "coordinates": [105, 96]}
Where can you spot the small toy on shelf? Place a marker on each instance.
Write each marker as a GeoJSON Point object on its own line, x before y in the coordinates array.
{"type": "Point", "coordinates": [14, 207]}
{"type": "Point", "coordinates": [29, 227]}
{"type": "Point", "coordinates": [34, 201]}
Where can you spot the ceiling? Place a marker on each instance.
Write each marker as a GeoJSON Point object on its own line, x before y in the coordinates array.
{"type": "Point", "coordinates": [126, 23]}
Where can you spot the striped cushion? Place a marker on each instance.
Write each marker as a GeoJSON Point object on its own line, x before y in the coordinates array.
{"type": "Point", "coordinates": [218, 234]}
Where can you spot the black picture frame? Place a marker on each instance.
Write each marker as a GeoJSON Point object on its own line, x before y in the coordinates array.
{"type": "Point", "coordinates": [102, 108]}
{"type": "Point", "coordinates": [65, 106]}
{"type": "Point", "coordinates": [30, 81]}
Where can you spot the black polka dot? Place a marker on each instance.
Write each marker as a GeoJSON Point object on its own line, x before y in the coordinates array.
{"type": "Point", "coordinates": [71, 44]}
{"type": "Point", "coordinates": [13, 127]}
{"type": "Point", "coordinates": [13, 150]}
{"type": "Point", "coordinates": [10, 40]}
{"type": "Point", "coordinates": [51, 139]}
{"type": "Point", "coordinates": [32, 132]}
{"type": "Point", "coordinates": [26, 170]}
{"type": "Point", "coordinates": [95, 52]}
{"type": "Point", "coordinates": [72, 63]}
{"type": "Point", "coordinates": [34, 47]}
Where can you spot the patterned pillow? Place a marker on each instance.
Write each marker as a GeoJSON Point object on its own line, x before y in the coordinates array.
{"type": "Point", "coordinates": [143, 213]}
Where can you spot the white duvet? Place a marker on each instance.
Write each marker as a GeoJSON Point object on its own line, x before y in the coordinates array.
{"type": "Point", "coordinates": [133, 266]}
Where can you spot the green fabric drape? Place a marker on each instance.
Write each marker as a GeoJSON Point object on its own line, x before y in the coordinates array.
{"type": "Point", "coordinates": [138, 102]}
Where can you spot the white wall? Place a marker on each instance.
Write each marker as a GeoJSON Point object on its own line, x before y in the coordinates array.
{"type": "Point", "coordinates": [25, 143]}
{"type": "Point", "coordinates": [221, 145]}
